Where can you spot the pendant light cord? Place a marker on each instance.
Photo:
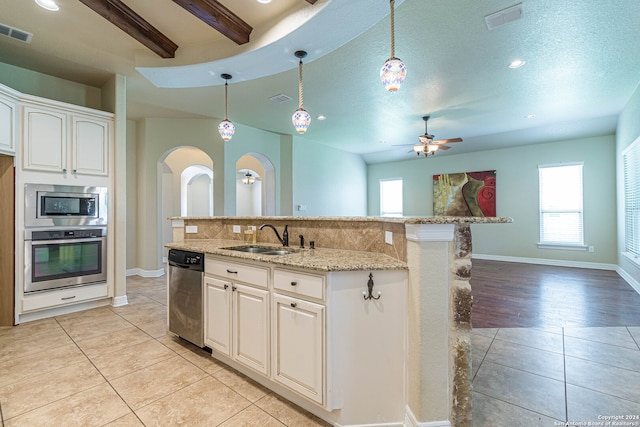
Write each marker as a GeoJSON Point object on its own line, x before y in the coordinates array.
{"type": "Point", "coordinates": [226, 99]}
{"type": "Point", "coordinates": [393, 37]}
{"type": "Point", "coordinates": [300, 92]}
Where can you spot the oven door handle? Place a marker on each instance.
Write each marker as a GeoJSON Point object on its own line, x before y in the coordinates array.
{"type": "Point", "coordinates": [59, 241]}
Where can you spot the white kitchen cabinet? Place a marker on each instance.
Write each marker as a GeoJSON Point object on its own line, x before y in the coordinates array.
{"type": "Point", "coordinates": [8, 120]}
{"type": "Point", "coordinates": [56, 140]}
{"type": "Point", "coordinates": [298, 346]}
{"type": "Point", "coordinates": [236, 314]}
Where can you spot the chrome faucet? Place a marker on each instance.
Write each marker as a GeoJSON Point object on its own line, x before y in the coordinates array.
{"type": "Point", "coordinates": [285, 234]}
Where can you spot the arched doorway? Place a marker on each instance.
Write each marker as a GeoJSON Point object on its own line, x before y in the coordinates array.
{"type": "Point", "coordinates": [185, 188]}
{"type": "Point", "coordinates": [259, 198]}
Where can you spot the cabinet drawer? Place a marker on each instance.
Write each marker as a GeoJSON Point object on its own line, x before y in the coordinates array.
{"type": "Point", "coordinates": [236, 271]}
{"type": "Point", "coordinates": [299, 283]}
{"type": "Point", "coordinates": [51, 299]}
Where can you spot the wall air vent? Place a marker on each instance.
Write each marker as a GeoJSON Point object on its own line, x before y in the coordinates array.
{"type": "Point", "coordinates": [15, 33]}
{"type": "Point", "coordinates": [280, 98]}
{"type": "Point", "coordinates": [503, 16]}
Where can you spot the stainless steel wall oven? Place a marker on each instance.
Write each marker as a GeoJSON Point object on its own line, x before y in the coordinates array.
{"type": "Point", "coordinates": [57, 258]}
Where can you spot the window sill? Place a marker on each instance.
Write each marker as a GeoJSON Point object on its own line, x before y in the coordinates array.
{"type": "Point", "coordinates": [563, 246]}
{"type": "Point", "coordinates": [631, 257]}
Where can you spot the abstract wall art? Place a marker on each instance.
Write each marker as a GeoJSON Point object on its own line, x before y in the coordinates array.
{"type": "Point", "coordinates": [465, 194]}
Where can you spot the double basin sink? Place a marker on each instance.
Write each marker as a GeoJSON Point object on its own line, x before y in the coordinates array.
{"type": "Point", "coordinates": [262, 250]}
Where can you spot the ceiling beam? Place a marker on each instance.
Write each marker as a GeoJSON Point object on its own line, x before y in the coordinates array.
{"type": "Point", "coordinates": [120, 15]}
{"type": "Point", "coordinates": [219, 17]}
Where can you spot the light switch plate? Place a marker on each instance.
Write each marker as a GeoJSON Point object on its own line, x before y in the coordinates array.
{"type": "Point", "coordinates": [236, 229]}
{"type": "Point", "coordinates": [191, 229]}
{"type": "Point", "coordinates": [388, 237]}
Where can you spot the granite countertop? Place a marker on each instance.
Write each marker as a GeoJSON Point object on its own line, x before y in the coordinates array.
{"type": "Point", "coordinates": [320, 259]}
{"type": "Point", "coordinates": [402, 220]}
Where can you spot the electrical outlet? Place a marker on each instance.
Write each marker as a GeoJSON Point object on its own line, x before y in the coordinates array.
{"type": "Point", "coordinates": [236, 229]}
{"type": "Point", "coordinates": [592, 249]}
{"type": "Point", "coordinates": [251, 227]}
{"type": "Point", "coordinates": [302, 207]}
{"type": "Point", "coordinates": [191, 229]}
{"type": "Point", "coordinates": [388, 237]}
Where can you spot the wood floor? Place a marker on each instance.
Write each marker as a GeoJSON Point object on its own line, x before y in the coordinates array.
{"type": "Point", "coordinates": [513, 295]}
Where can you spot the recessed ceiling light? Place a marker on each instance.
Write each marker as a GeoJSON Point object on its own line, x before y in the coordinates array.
{"type": "Point", "coordinates": [321, 117]}
{"type": "Point", "coordinates": [264, 1]}
{"type": "Point", "coordinates": [530, 116]}
{"type": "Point", "coordinates": [48, 4]}
{"type": "Point", "coordinates": [517, 63]}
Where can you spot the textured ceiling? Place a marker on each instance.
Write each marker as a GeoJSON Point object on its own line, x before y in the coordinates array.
{"type": "Point", "coordinates": [582, 65]}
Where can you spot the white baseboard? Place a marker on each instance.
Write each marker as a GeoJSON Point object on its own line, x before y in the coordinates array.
{"type": "Point", "coordinates": [145, 273]}
{"type": "Point", "coordinates": [544, 261]}
{"type": "Point", "coordinates": [411, 421]}
{"type": "Point", "coordinates": [120, 301]}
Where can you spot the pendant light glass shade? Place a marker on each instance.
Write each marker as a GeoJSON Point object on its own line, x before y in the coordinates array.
{"type": "Point", "coordinates": [300, 119]}
{"type": "Point", "coordinates": [226, 129]}
{"type": "Point", "coordinates": [393, 71]}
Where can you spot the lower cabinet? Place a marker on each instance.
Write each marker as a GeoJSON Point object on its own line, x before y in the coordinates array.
{"type": "Point", "coordinates": [324, 340]}
{"type": "Point", "coordinates": [298, 346]}
{"type": "Point", "coordinates": [237, 322]}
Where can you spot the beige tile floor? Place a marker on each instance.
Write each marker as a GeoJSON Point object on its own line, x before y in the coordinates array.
{"type": "Point", "coordinates": [118, 366]}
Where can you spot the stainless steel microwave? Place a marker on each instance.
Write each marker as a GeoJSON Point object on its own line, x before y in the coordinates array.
{"type": "Point", "coordinates": [64, 205]}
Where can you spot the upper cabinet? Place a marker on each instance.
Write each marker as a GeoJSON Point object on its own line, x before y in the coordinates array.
{"type": "Point", "coordinates": [68, 142]}
{"type": "Point", "coordinates": [8, 120]}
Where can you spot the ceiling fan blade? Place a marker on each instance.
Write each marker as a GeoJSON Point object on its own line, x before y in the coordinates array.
{"type": "Point", "coordinates": [443, 147]}
{"type": "Point", "coordinates": [447, 141]}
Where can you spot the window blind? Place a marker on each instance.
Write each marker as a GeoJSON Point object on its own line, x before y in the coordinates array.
{"type": "Point", "coordinates": [631, 165]}
{"type": "Point", "coordinates": [561, 217]}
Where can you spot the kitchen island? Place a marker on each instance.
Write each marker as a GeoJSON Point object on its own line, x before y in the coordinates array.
{"type": "Point", "coordinates": [422, 268]}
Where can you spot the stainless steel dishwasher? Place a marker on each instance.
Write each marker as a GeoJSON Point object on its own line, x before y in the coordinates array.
{"type": "Point", "coordinates": [186, 306]}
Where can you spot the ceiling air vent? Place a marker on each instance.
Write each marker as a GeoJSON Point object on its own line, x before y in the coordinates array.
{"type": "Point", "coordinates": [280, 98]}
{"type": "Point", "coordinates": [15, 33]}
{"type": "Point", "coordinates": [503, 16]}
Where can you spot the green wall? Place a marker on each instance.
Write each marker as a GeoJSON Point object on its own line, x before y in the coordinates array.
{"type": "Point", "coordinates": [517, 195]}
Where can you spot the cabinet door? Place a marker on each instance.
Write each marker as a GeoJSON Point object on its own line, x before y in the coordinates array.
{"type": "Point", "coordinates": [45, 140]}
{"type": "Point", "coordinates": [251, 327]}
{"type": "Point", "coordinates": [7, 125]}
{"type": "Point", "coordinates": [90, 145]}
{"type": "Point", "coordinates": [299, 346]}
{"type": "Point", "coordinates": [217, 315]}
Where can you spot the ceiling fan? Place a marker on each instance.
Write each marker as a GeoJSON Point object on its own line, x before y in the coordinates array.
{"type": "Point", "coordinates": [428, 146]}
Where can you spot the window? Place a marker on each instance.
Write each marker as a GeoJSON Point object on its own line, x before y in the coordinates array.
{"type": "Point", "coordinates": [391, 197]}
{"type": "Point", "coordinates": [561, 224]}
{"type": "Point", "coordinates": [631, 164]}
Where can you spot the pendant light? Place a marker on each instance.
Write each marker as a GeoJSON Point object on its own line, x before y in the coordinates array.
{"type": "Point", "coordinates": [301, 119]}
{"type": "Point", "coordinates": [226, 128]}
{"type": "Point", "coordinates": [393, 71]}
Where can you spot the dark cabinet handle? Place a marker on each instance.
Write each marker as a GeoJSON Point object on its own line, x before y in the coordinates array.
{"type": "Point", "coordinates": [294, 305]}
{"type": "Point", "coordinates": [226, 286]}
{"type": "Point", "coordinates": [294, 283]}
{"type": "Point", "coordinates": [233, 288]}
{"type": "Point", "coordinates": [231, 271]}
{"type": "Point", "coordinates": [67, 298]}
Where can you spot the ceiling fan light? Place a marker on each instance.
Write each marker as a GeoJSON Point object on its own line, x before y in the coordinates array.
{"type": "Point", "coordinates": [431, 148]}
{"type": "Point", "coordinates": [226, 129]}
{"type": "Point", "coordinates": [418, 148]}
{"type": "Point", "coordinates": [392, 74]}
{"type": "Point", "coordinates": [301, 120]}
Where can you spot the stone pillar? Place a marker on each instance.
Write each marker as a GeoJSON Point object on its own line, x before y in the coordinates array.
{"type": "Point", "coordinates": [460, 327]}
{"type": "Point", "coordinates": [439, 322]}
